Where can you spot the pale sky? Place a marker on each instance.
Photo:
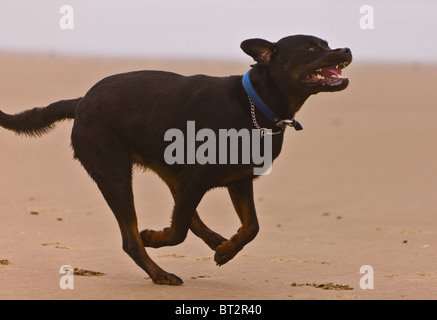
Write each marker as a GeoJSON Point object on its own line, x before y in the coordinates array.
{"type": "Point", "coordinates": [404, 30]}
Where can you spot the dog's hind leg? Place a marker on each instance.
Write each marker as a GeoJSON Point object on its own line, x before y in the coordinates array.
{"type": "Point", "coordinates": [242, 199]}
{"type": "Point", "coordinates": [107, 160]}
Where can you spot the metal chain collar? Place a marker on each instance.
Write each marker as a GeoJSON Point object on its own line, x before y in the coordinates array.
{"type": "Point", "coordinates": [263, 130]}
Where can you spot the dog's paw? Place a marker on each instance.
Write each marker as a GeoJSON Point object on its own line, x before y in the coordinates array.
{"type": "Point", "coordinates": [154, 239]}
{"type": "Point", "coordinates": [147, 237]}
{"type": "Point", "coordinates": [168, 279]}
{"type": "Point", "coordinates": [225, 252]}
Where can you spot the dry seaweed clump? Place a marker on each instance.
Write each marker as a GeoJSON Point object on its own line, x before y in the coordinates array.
{"type": "Point", "coordinates": [324, 286]}
{"type": "Point", "coordinates": [87, 273]}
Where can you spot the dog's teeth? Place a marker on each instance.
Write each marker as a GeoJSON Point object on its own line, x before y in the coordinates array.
{"type": "Point", "coordinates": [317, 76]}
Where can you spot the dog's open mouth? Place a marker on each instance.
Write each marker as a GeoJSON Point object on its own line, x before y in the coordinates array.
{"type": "Point", "coordinates": [331, 76]}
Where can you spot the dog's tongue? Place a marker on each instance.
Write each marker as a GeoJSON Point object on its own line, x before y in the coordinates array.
{"type": "Point", "coordinates": [327, 72]}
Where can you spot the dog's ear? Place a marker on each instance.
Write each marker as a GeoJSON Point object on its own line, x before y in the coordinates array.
{"type": "Point", "coordinates": [260, 50]}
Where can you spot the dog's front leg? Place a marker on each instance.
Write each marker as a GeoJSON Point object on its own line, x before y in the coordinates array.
{"type": "Point", "coordinates": [211, 238]}
{"type": "Point", "coordinates": [242, 199]}
{"type": "Point", "coordinates": [186, 200]}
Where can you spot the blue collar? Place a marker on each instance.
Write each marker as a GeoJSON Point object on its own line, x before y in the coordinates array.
{"type": "Point", "coordinates": [261, 106]}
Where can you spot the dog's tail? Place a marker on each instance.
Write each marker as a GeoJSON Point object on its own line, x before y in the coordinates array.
{"type": "Point", "coordinates": [38, 121]}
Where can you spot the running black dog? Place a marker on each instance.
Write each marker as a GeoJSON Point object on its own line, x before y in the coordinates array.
{"type": "Point", "coordinates": [122, 121]}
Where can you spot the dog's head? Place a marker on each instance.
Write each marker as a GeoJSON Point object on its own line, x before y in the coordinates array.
{"type": "Point", "coordinates": [303, 63]}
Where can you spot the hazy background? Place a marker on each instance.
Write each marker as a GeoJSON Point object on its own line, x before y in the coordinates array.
{"type": "Point", "coordinates": [405, 31]}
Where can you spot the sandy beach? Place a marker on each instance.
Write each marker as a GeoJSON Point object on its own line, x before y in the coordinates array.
{"type": "Point", "coordinates": [356, 187]}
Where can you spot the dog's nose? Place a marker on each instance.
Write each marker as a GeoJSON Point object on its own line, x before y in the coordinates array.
{"type": "Point", "coordinates": [345, 50]}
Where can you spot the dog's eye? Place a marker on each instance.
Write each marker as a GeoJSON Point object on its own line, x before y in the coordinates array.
{"type": "Point", "coordinates": [311, 49]}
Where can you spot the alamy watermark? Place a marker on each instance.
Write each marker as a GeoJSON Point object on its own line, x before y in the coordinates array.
{"type": "Point", "coordinates": [366, 281]}
{"type": "Point", "coordinates": [227, 146]}
{"type": "Point", "coordinates": [67, 20]}
{"type": "Point", "coordinates": [67, 280]}
{"type": "Point", "coordinates": [367, 18]}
